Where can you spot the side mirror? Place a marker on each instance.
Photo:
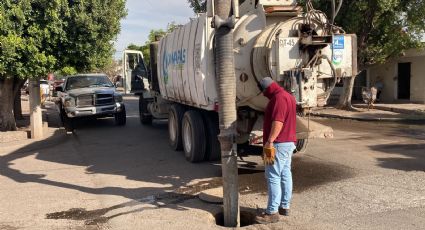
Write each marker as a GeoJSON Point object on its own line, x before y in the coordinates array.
{"type": "Point", "coordinates": [59, 89]}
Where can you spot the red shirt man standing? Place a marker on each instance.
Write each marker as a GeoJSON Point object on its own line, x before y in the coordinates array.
{"type": "Point", "coordinates": [279, 133]}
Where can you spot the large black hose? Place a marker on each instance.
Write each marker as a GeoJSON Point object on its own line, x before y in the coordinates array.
{"type": "Point", "coordinates": [225, 70]}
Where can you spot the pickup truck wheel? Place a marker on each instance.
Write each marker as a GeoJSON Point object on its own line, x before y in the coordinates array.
{"type": "Point", "coordinates": [121, 117]}
{"type": "Point", "coordinates": [145, 119]}
{"type": "Point", "coordinates": [68, 123]}
{"type": "Point", "coordinates": [175, 117]}
{"type": "Point", "coordinates": [213, 148]}
{"type": "Point", "coordinates": [193, 133]}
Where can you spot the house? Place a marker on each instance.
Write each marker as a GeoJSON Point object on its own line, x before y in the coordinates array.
{"type": "Point", "coordinates": [402, 79]}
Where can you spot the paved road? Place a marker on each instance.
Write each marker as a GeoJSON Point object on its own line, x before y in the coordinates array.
{"type": "Point", "coordinates": [371, 175]}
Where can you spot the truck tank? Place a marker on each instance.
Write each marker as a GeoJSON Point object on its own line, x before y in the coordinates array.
{"type": "Point", "coordinates": [269, 41]}
{"type": "Point", "coordinates": [304, 53]}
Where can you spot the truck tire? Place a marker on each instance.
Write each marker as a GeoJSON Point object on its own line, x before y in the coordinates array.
{"type": "Point", "coordinates": [300, 146]}
{"type": "Point", "coordinates": [121, 117]}
{"type": "Point", "coordinates": [68, 123]}
{"type": "Point", "coordinates": [193, 135]}
{"type": "Point", "coordinates": [175, 117]}
{"type": "Point", "coordinates": [145, 119]}
{"type": "Point", "coordinates": [212, 130]}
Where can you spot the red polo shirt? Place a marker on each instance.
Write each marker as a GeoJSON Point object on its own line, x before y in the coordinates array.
{"type": "Point", "coordinates": [281, 107]}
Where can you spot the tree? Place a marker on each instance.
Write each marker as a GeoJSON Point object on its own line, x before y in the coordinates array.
{"type": "Point", "coordinates": [153, 35]}
{"type": "Point", "coordinates": [384, 29]}
{"type": "Point", "coordinates": [198, 6]}
{"type": "Point", "coordinates": [42, 36]}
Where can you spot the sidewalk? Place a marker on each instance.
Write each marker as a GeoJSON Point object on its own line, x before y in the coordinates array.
{"type": "Point", "coordinates": [408, 108]}
{"type": "Point", "coordinates": [51, 127]}
{"type": "Point", "coordinates": [380, 112]}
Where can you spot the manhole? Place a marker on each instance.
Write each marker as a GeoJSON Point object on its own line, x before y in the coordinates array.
{"type": "Point", "coordinates": [247, 218]}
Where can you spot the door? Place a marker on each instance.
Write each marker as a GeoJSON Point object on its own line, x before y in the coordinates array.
{"type": "Point", "coordinates": [404, 80]}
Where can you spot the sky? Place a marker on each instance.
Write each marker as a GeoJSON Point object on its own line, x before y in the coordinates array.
{"type": "Point", "coordinates": [145, 15]}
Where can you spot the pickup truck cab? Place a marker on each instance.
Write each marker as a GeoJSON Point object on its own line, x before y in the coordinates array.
{"type": "Point", "coordinates": [89, 95]}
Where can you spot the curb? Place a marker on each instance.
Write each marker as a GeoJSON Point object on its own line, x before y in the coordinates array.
{"type": "Point", "coordinates": [392, 109]}
{"type": "Point", "coordinates": [415, 120]}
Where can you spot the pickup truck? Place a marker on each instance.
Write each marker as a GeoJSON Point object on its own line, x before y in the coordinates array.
{"type": "Point", "coordinates": [89, 95]}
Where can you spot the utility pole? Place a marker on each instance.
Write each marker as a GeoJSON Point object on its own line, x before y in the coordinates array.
{"type": "Point", "coordinates": [36, 119]}
{"type": "Point", "coordinates": [224, 23]}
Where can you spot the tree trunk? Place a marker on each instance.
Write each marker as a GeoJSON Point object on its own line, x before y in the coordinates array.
{"type": "Point", "coordinates": [347, 92]}
{"type": "Point", "coordinates": [17, 106]}
{"type": "Point", "coordinates": [362, 40]}
{"type": "Point", "coordinates": [7, 119]}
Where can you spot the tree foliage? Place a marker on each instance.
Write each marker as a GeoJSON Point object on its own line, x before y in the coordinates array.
{"type": "Point", "coordinates": [153, 34]}
{"type": "Point", "coordinates": [42, 36]}
{"type": "Point", "coordinates": [198, 6]}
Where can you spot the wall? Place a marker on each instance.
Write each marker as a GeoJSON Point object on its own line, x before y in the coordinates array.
{"type": "Point", "coordinates": [388, 73]}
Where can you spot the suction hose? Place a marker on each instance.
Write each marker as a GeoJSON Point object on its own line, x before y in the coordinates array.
{"type": "Point", "coordinates": [225, 71]}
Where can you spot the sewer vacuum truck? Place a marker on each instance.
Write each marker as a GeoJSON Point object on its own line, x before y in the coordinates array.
{"type": "Point", "coordinates": [303, 52]}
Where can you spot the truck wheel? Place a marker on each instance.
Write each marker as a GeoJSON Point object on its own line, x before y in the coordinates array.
{"type": "Point", "coordinates": [68, 123]}
{"type": "Point", "coordinates": [121, 117]}
{"type": "Point", "coordinates": [145, 119]}
{"type": "Point", "coordinates": [193, 134]}
{"type": "Point", "coordinates": [175, 117]}
{"type": "Point", "coordinates": [300, 146]}
{"type": "Point", "coordinates": [213, 148]}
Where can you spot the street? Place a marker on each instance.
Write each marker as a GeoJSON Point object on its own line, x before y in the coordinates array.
{"type": "Point", "coordinates": [369, 176]}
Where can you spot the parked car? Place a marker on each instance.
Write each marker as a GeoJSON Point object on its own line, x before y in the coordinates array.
{"type": "Point", "coordinates": [89, 95]}
{"type": "Point", "coordinates": [44, 91]}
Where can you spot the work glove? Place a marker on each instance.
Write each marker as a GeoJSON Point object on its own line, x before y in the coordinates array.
{"type": "Point", "coordinates": [269, 155]}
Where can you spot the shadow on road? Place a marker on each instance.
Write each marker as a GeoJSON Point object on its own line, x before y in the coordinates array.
{"type": "Point", "coordinates": [411, 157]}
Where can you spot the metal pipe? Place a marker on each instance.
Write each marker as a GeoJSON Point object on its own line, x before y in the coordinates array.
{"type": "Point", "coordinates": [338, 8]}
{"type": "Point", "coordinates": [153, 78]}
{"type": "Point", "coordinates": [235, 7]}
{"type": "Point", "coordinates": [225, 72]}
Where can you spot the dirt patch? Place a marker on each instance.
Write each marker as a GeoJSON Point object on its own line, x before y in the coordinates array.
{"type": "Point", "coordinates": [7, 227]}
{"type": "Point", "coordinates": [92, 217]}
{"type": "Point", "coordinates": [99, 216]}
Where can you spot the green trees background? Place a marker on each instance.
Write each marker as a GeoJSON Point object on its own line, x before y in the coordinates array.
{"type": "Point", "coordinates": [151, 38]}
{"type": "Point", "coordinates": [42, 36]}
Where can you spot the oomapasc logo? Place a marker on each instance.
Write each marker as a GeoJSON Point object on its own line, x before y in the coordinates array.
{"type": "Point", "coordinates": [173, 59]}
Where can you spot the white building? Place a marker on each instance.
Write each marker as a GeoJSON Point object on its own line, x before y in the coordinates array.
{"type": "Point", "coordinates": [403, 78]}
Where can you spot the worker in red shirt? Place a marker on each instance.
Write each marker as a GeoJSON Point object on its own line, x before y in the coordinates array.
{"type": "Point", "coordinates": [279, 137]}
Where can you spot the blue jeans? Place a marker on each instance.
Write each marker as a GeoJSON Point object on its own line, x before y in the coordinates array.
{"type": "Point", "coordinates": [279, 178]}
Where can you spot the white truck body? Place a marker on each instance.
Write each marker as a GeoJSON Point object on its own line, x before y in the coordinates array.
{"type": "Point", "coordinates": [186, 68]}
{"type": "Point", "coordinates": [186, 65]}
{"type": "Point", "coordinates": [272, 38]}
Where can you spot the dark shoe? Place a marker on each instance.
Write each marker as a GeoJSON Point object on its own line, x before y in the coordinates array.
{"type": "Point", "coordinates": [265, 218]}
{"type": "Point", "coordinates": [284, 211]}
